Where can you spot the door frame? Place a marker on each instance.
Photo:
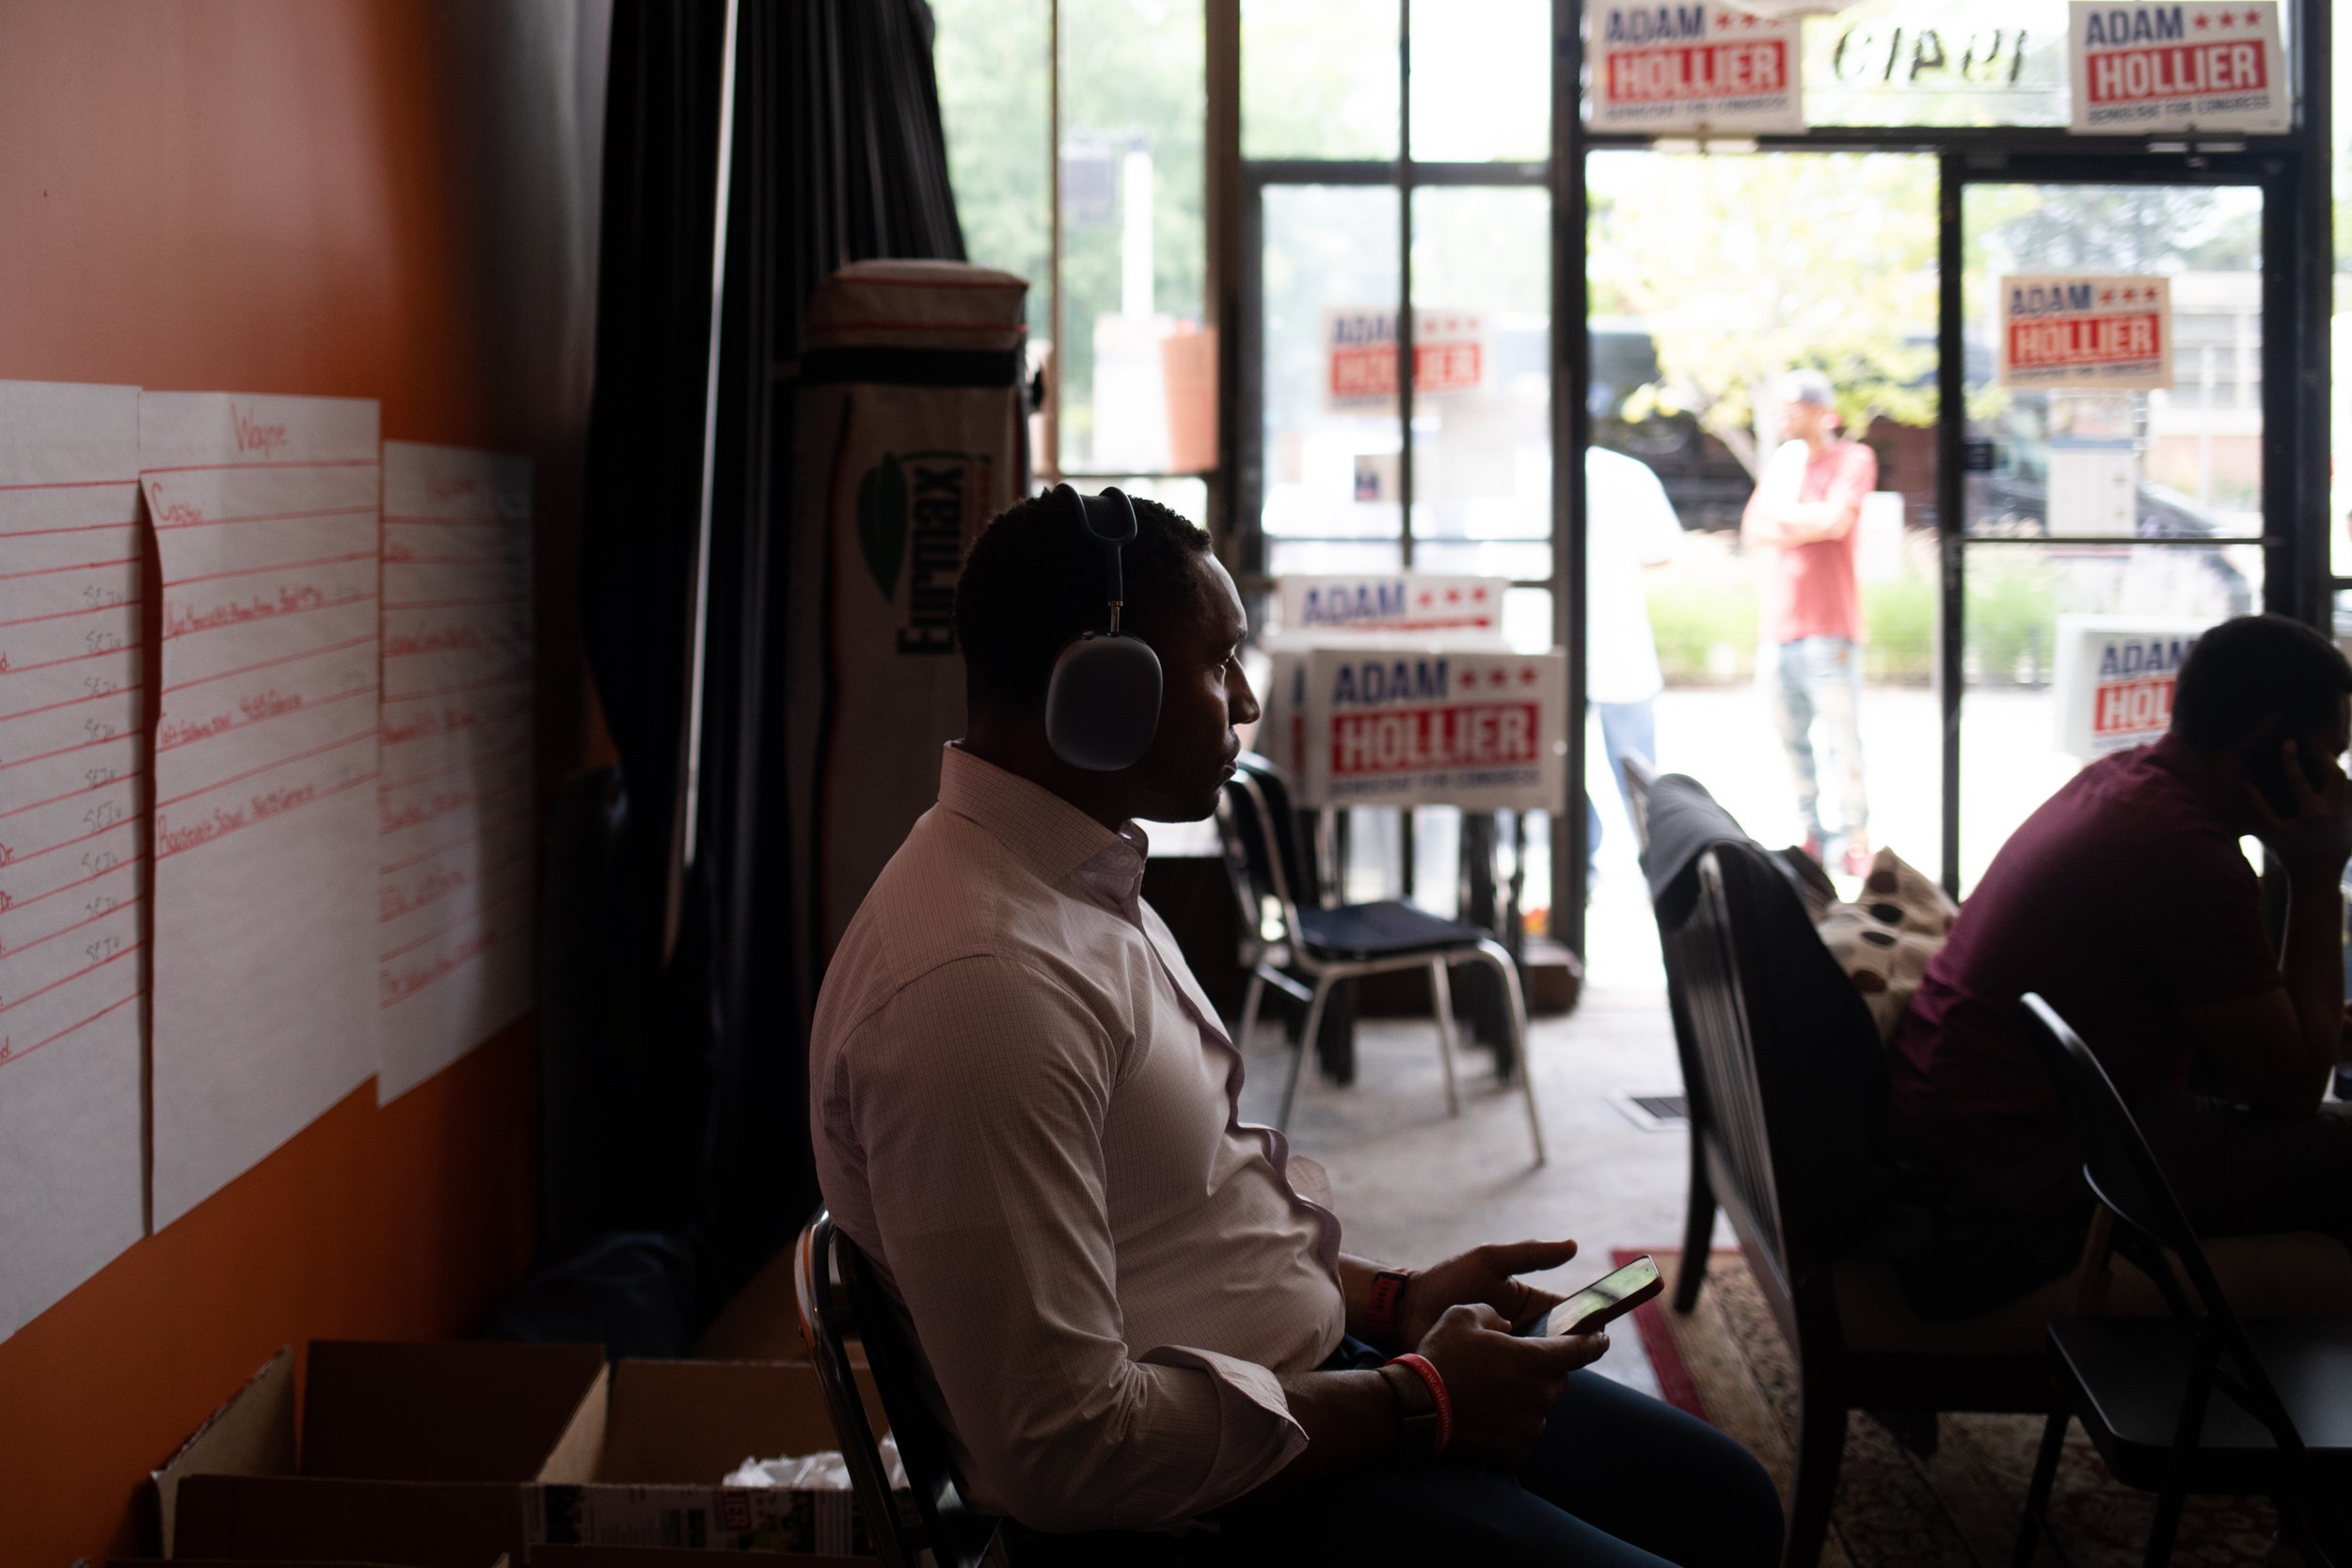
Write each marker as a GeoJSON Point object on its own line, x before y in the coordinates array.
{"type": "Point", "coordinates": [2293, 559]}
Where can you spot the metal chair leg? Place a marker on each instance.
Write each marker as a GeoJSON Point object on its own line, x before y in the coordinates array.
{"type": "Point", "coordinates": [1305, 1047]}
{"type": "Point", "coordinates": [2034, 1522]}
{"type": "Point", "coordinates": [1250, 1000]}
{"type": "Point", "coordinates": [1492, 952]}
{"type": "Point", "coordinates": [1441, 1004]}
{"type": "Point", "coordinates": [1698, 1231]}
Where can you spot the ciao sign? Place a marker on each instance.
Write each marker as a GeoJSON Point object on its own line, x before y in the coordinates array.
{"type": "Point", "coordinates": [1481, 728]}
{"type": "Point", "coordinates": [2141, 68]}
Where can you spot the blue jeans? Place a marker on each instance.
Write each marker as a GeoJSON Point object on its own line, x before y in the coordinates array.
{"type": "Point", "coordinates": [1618, 1480]}
{"type": "Point", "coordinates": [1627, 729]}
{"type": "Point", "coordinates": [1816, 693]}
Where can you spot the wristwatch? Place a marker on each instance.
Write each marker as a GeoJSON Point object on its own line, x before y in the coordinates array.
{"type": "Point", "coordinates": [1418, 1424]}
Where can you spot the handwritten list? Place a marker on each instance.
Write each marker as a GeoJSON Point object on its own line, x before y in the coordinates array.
{"type": "Point", "coordinates": [266, 524]}
{"type": "Point", "coordinates": [453, 905]}
{"type": "Point", "coordinates": [72, 872]}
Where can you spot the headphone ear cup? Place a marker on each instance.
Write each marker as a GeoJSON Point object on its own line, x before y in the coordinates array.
{"type": "Point", "coordinates": [1103, 703]}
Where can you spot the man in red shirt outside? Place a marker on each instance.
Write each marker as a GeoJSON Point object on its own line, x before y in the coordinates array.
{"type": "Point", "coordinates": [1807, 515]}
{"type": "Point", "coordinates": [2127, 902]}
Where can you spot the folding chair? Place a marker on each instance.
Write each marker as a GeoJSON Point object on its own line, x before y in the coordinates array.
{"type": "Point", "coordinates": [2201, 1400]}
{"type": "Point", "coordinates": [840, 1302]}
{"type": "Point", "coordinates": [1330, 945]}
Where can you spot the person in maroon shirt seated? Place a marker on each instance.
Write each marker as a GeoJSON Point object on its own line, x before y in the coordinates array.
{"type": "Point", "coordinates": [2127, 903]}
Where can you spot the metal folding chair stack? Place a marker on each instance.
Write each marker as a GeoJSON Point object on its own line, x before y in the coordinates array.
{"type": "Point", "coordinates": [1328, 945]}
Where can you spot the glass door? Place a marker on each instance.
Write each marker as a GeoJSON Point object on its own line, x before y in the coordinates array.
{"type": "Point", "coordinates": [2111, 484]}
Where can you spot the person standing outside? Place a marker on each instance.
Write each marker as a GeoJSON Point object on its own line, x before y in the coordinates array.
{"type": "Point", "coordinates": [1806, 513]}
{"type": "Point", "coordinates": [1633, 525]}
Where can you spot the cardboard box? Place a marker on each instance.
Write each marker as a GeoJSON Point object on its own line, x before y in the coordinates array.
{"type": "Point", "coordinates": [676, 1428]}
{"type": "Point", "coordinates": [448, 1456]}
{"type": "Point", "coordinates": [426, 1456]}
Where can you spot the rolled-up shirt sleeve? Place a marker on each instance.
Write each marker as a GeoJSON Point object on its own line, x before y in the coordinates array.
{"type": "Point", "coordinates": [978, 1097]}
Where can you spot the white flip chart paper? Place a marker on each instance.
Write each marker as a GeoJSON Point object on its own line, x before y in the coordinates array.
{"type": "Point", "coordinates": [453, 915]}
{"type": "Point", "coordinates": [73, 871]}
{"type": "Point", "coordinates": [265, 512]}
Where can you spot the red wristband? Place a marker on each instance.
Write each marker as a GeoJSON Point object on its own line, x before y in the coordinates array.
{"type": "Point", "coordinates": [1428, 1374]}
{"type": "Point", "coordinates": [1381, 1305]}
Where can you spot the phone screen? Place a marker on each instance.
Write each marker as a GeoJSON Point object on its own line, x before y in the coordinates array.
{"type": "Point", "coordinates": [1610, 1296]}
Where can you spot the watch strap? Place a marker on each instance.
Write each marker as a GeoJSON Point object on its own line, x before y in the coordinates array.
{"type": "Point", "coordinates": [1384, 1309]}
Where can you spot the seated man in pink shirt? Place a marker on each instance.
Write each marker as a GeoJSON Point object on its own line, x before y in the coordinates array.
{"type": "Point", "coordinates": [2126, 903]}
{"type": "Point", "coordinates": [1807, 518]}
{"type": "Point", "coordinates": [1133, 1307]}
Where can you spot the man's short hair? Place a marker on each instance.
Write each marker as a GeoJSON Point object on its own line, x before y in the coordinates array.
{"type": "Point", "coordinates": [1036, 579]}
{"type": "Point", "coordinates": [2247, 669]}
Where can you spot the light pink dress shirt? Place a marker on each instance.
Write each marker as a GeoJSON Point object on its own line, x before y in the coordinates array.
{"type": "Point", "coordinates": [1024, 1114]}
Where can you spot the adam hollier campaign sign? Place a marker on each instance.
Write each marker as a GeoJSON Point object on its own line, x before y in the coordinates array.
{"type": "Point", "coordinates": [2115, 678]}
{"type": "Point", "coordinates": [2140, 68]}
{"type": "Point", "coordinates": [1482, 729]}
{"type": "Point", "coordinates": [1693, 67]}
{"type": "Point", "coordinates": [2108, 333]}
{"type": "Point", "coordinates": [1321, 604]}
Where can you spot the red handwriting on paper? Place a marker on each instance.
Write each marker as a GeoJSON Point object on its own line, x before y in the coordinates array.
{"type": "Point", "coordinates": [171, 838]}
{"type": "Point", "coordinates": [253, 436]}
{"type": "Point", "coordinates": [404, 981]}
{"type": "Point", "coordinates": [393, 902]}
{"type": "Point", "coordinates": [436, 640]}
{"type": "Point", "coordinates": [397, 552]}
{"type": "Point", "coordinates": [438, 804]}
{"type": "Point", "coordinates": [427, 723]}
{"type": "Point", "coordinates": [179, 732]}
{"type": "Point", "coordinates": [175, 513]}
{"type": "Point", "coordinates": [283, 800]}
{"type": "Point", "coordinates": [269, 704]}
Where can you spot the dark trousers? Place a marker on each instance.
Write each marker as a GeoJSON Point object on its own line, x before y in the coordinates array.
{"type": "Point", "coordinates": [1618, 1480]}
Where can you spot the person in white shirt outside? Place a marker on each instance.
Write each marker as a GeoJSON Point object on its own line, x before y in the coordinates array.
{"type": "Point", "coordinates": [1133, 1307]}
{"type": "Point", "coordinates": [1630, 526]}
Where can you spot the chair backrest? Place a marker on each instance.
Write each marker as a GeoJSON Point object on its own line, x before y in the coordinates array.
{"type": "Point", "coordinates": [1789, 1064]}
{"type": "Point", "coordinates": [2125, 1176]}
{"type": "Point", "coordinates": [1263, 854]}
{"type": "Point", "coordinates": [840, 1301]}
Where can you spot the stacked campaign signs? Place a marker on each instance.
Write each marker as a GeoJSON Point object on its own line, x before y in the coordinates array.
{"type": "Point", "coordinates": [212, 648]}
{"type": "Point", "coordinates": [1397, 689]}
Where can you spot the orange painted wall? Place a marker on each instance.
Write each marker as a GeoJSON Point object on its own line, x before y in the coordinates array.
{"type": "Point", "coordinates": [387, 199]}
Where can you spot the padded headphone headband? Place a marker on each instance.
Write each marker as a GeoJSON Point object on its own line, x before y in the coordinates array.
{"type": "Point", "coordinates": [1103, 703]}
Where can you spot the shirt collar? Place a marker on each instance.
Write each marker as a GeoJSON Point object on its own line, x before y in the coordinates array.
{"type": "Point", "coordinates": [1047, 833]}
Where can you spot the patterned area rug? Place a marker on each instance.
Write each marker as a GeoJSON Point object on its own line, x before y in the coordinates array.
{"type": "Point", "coordinates": [1726, 1362]}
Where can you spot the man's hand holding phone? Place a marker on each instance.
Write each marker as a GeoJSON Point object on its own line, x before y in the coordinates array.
{"type": "Point", "coordinates": [1501, 1384]}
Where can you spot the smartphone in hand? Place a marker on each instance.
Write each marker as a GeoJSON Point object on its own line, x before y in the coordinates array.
{"type": "Point", "coordinates": [1605, 1299]}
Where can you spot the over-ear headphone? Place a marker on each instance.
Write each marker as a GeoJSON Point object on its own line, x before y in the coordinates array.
{"type": "Point", "coordinates": [1103, 703]}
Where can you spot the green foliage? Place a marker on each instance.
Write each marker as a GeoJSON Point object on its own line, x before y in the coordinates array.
{"type": "Point", "coordinates": [1134, 76]}
{"type": "Point", "coordinates": [1741, 268]}
{"type": "Point", "coordinates": [1899, 614]}
{"type": "Point", "coordinates": [2013, 606]}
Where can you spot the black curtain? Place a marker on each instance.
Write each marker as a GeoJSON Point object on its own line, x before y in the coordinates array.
{"type": "Point", "coordinates": [838, 155]}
